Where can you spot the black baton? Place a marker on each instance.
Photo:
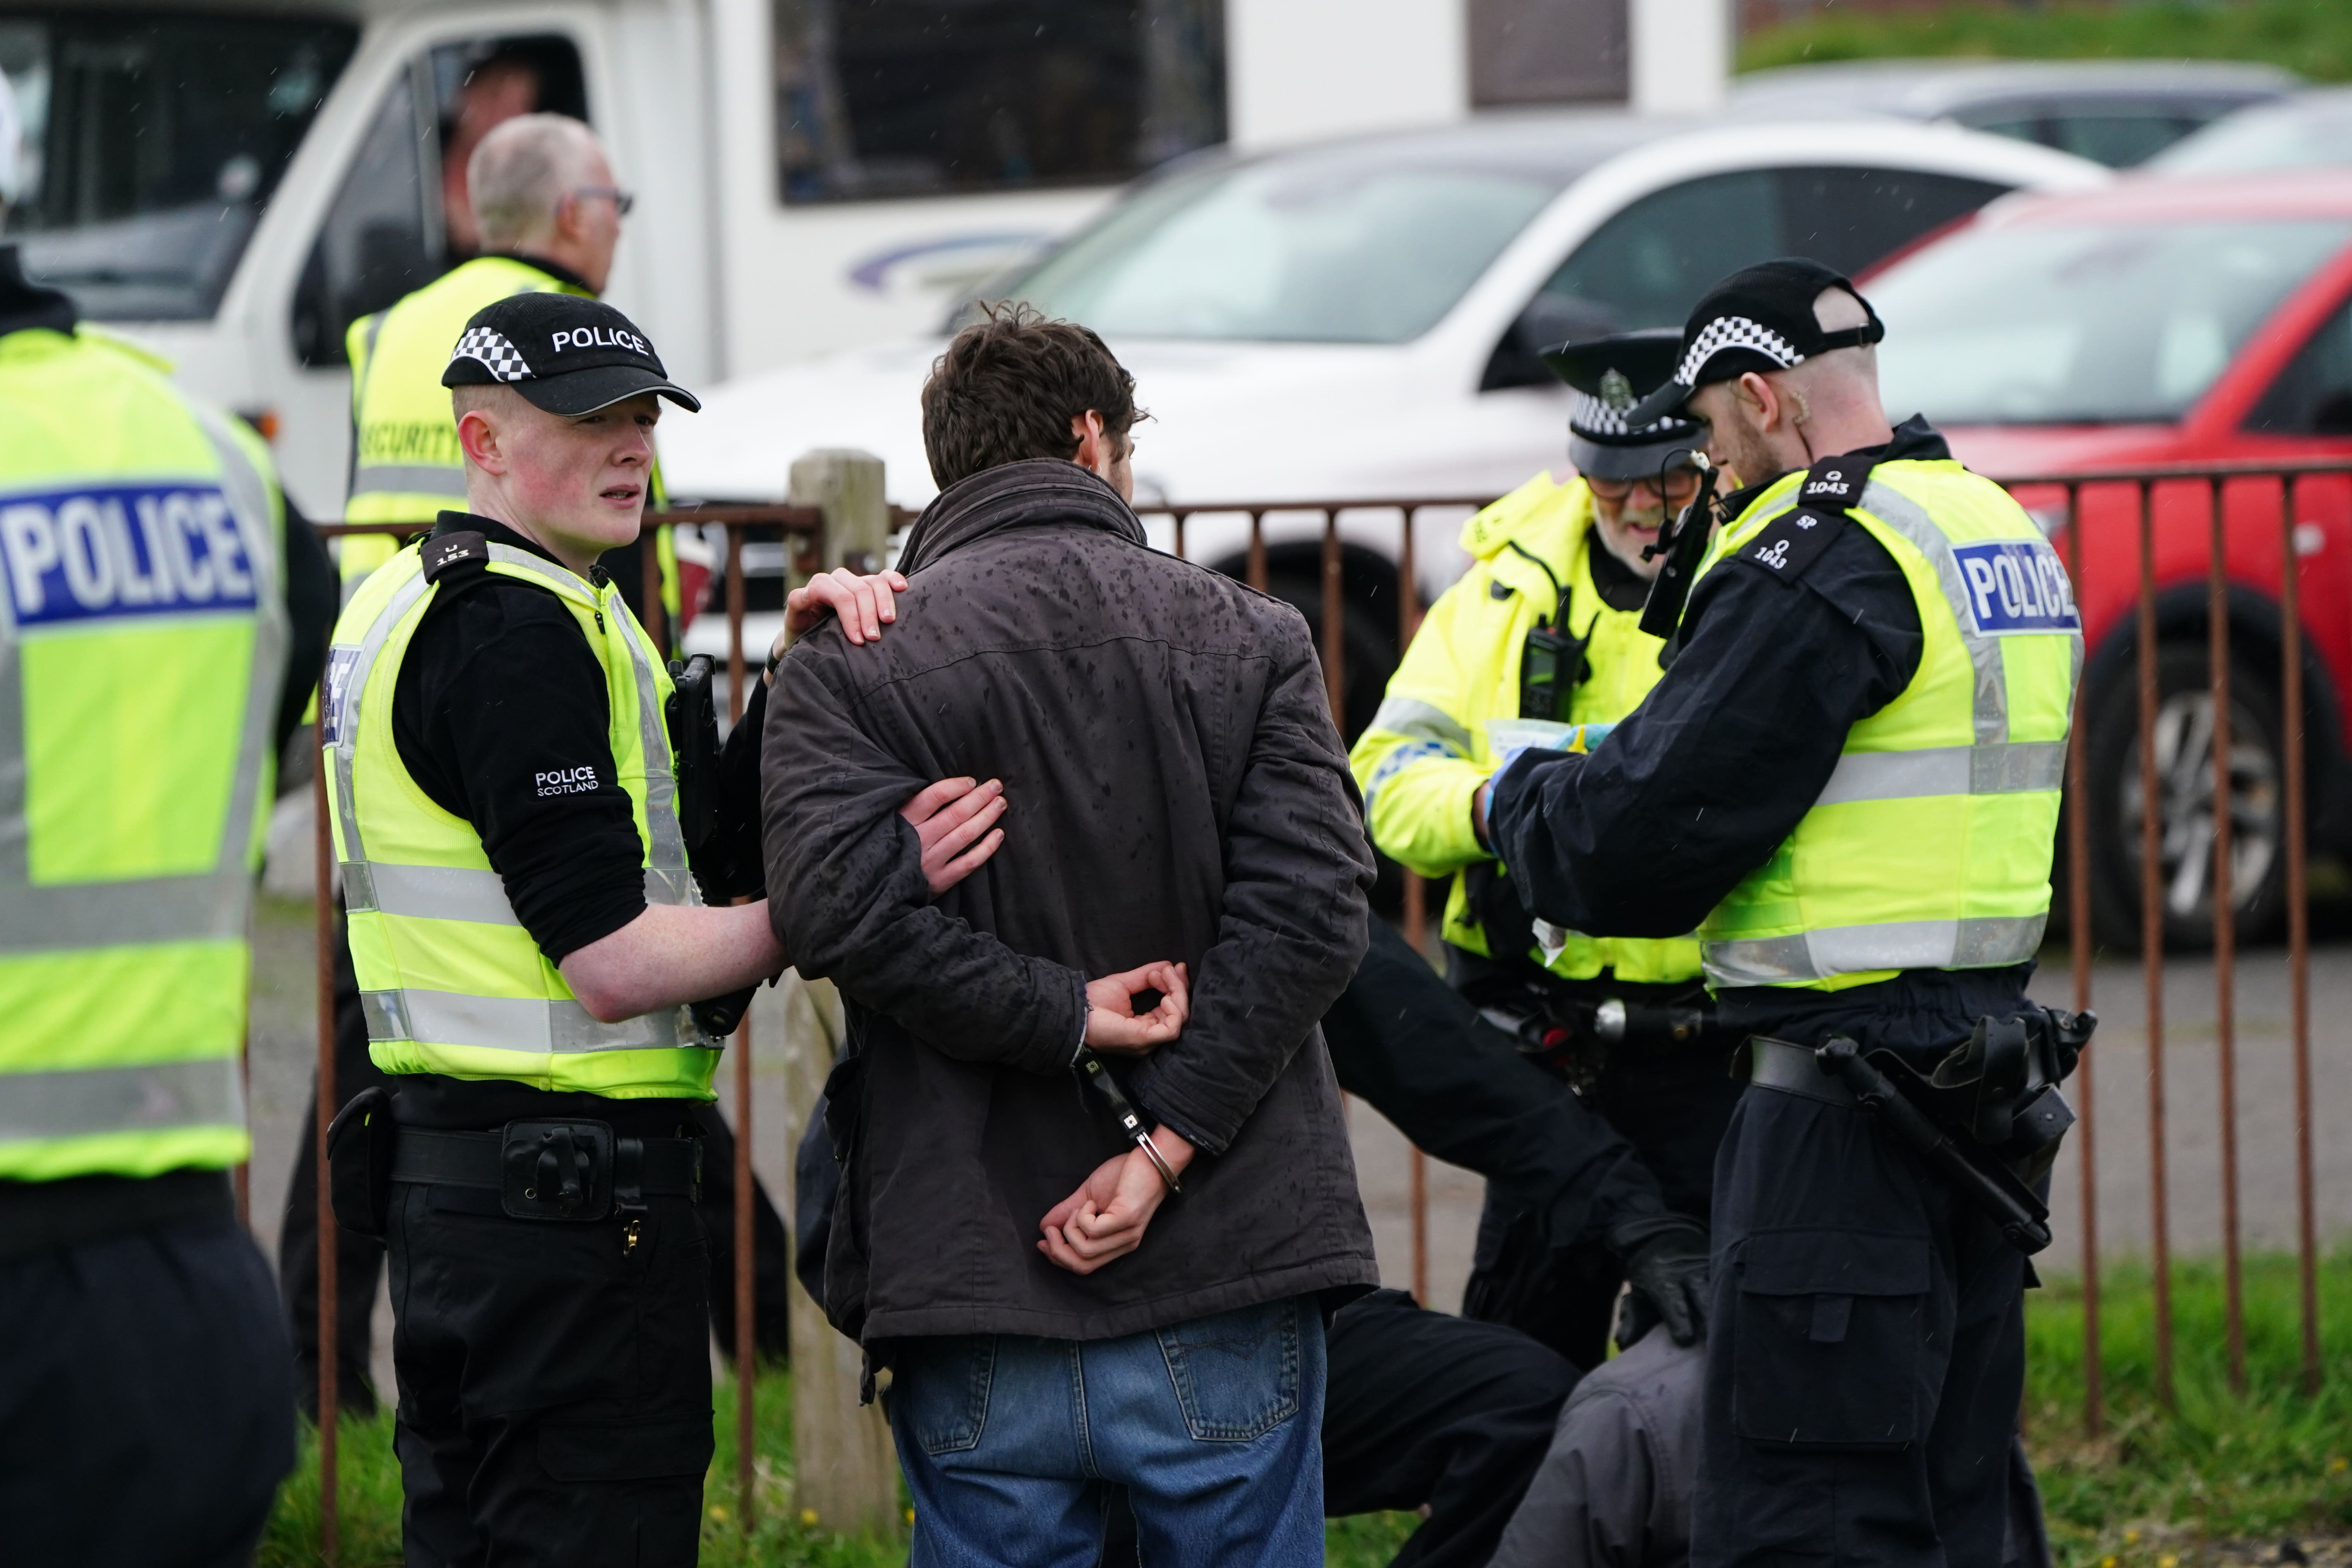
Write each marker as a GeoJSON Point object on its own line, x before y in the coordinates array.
{"type": "Point", "coordinates": [1990, 1188]}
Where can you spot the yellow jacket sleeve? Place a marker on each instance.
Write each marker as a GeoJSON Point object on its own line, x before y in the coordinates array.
{"type": "Point", "coordinates": [1420, 760]}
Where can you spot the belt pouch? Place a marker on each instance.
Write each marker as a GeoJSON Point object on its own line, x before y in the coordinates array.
{"type": "Point", "coordinates": [556, 1169]}
{"type": "Point", "coordinates": [359, 1162]}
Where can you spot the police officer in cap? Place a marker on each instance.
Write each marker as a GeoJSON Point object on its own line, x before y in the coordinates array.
{"type": "Point", "coordinates": [1545, 625]}
{"type": "Point", "coordinates": [537, 958]}
{"type": "Point", "coordinates": [1848, 779]}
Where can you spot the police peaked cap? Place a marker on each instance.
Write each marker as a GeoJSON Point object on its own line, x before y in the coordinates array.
{"type": "Point", "coordinates": [1606, 378]}
{"type": "Point", "coordinates": [567, 354]}
{"type": "Point", "coordinates": [1760, 318]}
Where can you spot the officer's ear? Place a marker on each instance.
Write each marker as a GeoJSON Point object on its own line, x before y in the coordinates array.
{"type": "Point", "coordinates": [1763, 405]}
{"type": "Point", "coordinates": [482, 430]}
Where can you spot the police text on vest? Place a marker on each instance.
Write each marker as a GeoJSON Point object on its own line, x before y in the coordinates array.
{"type": "Point", "coordinates": [131, 550]}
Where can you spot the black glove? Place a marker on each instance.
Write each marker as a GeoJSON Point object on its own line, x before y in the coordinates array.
{"type": "Point", "coordinates": [1665, 1259]}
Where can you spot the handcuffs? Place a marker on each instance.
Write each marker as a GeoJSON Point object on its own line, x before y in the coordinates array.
{"type": "Point", "coordinates": [1099, 1073]}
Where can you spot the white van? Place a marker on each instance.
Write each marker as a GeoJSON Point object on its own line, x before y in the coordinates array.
{"type": "Point", "coordinates": [232, 184]}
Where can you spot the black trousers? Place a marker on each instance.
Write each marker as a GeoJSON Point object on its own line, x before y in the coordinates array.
{"type": "Point", "coordinates": [146, 1410]}
{"type": "Point", "coordinates": [554, 1385]}
{"type": "Point", "coordinates": [1866, 1353]}
{"type": "Point", "coordinates": [1425, 1408]}
{"type": "Point", "coordinates": [1672, 1105]}
{"type": "Point", "coordinates": [358, 1259]}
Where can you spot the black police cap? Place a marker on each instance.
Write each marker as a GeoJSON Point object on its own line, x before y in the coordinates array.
{"type": "Point", "coordinates": [1606, 378]}
{"type": "Point", "coordinates": [1760, 318]}
{"type": "Point", "coordinates": [566, 355]}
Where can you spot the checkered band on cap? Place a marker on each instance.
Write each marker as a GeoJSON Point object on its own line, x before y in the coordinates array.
{"type": "Point", "coordinates": [491, 348]}
{"type": "Point", "coordinates": [1736, 332]}
{"type": "Point", "coordinates": [1589, 414]}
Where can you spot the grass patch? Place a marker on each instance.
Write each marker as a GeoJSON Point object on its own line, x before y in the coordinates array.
{"type": "Point", "coordinates": [2311, 36]}
{"type": "Point", "coordinates": [2156, 1485]}
{"type": "Point", "coordinates": [2273, 1464]}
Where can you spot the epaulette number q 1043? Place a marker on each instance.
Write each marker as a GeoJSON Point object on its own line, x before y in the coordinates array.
{"type": "Point", "coordinates": [1795, 540]}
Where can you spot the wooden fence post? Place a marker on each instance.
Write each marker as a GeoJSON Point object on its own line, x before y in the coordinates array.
{"type": "Point", "coordinates": [848, 485]}
{"type": "Point", "coordinates": [845, 1471]}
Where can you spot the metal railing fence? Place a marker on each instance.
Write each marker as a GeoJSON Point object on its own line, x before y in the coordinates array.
{"type": "Point", "coordinates": [2143, 515]}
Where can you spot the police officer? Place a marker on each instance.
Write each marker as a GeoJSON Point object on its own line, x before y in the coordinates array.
{"type": "Point", "coordinates": [528, 939]}
{"type": "Point", "coordinates": [1545, 625]}
{"type": "Point", "coordinates": [151, 579]}
{"type": "Point", "coordinates": [550, 218]}
{"type": "Point", "coordinates": [1850, 775]}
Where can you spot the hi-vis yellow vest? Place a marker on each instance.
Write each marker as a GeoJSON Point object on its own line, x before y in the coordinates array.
{"type": "Point", "coordinates": [1931, 847]}
{"type": "Point", "coordinates": [405, 465]}
{"type": "Point", "coordinates": [1426, 751]}
{"type": "Point", "coordinates": [450, 981]}
{"type": "Point", "coordinates": [143, 645]}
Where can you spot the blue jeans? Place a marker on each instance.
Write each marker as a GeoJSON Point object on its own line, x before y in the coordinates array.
{"type": "Point", "coordinates": [1012, 1445]}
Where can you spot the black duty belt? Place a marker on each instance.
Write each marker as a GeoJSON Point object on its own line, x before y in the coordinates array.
{"type": "Point", "coordinates": [1792, 1069]}
{"type": "Point", "coordinates": [569, 1169]}
{"type": "Point", "coordinates": [1838, 1074]}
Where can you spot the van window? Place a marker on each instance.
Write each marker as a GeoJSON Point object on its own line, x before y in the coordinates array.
{"type": "Point", "coordinates": [901, 97]}
{"type": "Point", "coordinates": [2313, 395]}
{"type": "Point", "coordinates": [401, 218]}
{"type": "Point", "coordinates": [1647, 266]}
{"type": "Point", "coordinates": [153, 143]}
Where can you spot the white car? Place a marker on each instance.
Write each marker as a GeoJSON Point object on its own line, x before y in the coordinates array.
{"type": "Point", "coordinates": [1360, 320]}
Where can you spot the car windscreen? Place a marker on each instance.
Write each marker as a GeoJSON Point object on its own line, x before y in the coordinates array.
{"type": "Point", "coordinates": [2064, 323]}
{"type": "Point", "coordinates": [1306, 249]}
{"type": "Point", "coordinates": [2309, 132]}
{"type": "Point", "coordinates": [151, 142]}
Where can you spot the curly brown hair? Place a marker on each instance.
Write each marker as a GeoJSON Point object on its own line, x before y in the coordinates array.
{"type": "Point", "coordinates": [1009, 387]}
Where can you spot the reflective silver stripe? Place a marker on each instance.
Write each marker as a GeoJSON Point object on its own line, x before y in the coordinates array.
{"type": "Point", "coordinates": [2012, 767]}
{"type": "Point", "coordinates": [1419, 721]}
{"type": "Point", "coordinates": [439, 893]}
{"type": "Point", "coordinates": [518, 1023]}
{"type": "Point", "coordinates": [345, 723]}
{"type": "Point", "coordinates": [667, 853]}
{"type": "Point", "coordinates": [148, 1098]}
{"type": "Point", "coordinates": [1984, 942]}
{"type": "Point", "coordinates": [204, 905]}
{"type": "Point", "coordinates": [386, 1018]}
{"type": "Point", "coordinates": [665, 885]}
{"type": "Point", "coordinates": [410, 479]}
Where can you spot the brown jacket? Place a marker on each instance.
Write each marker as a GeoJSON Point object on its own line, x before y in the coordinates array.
{"type": "Point", "coordinates": [1176, 791]}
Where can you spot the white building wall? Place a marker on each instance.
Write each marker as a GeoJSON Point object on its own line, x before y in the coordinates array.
{"type": "Point", "coordinates": [1680, 55]}
{"type": "Point", "coordinates": [1300, 71]}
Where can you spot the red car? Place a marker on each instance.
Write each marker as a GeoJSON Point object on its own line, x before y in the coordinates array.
{"type": "Point", "coordinates": [2163, 324]}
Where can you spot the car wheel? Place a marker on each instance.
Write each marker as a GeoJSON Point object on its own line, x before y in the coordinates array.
{"type": "Point", "coordinates": [2184, 765]}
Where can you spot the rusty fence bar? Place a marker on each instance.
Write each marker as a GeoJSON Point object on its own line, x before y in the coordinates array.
{"type": "Point", "coordinates": [2225, 934]}
{"type": "Point", "coordinates": [2298, 918]}
{"type": "Point", "coordinates": [2151, 918]}
{"type": "Point", "coordinates": [2078, 927]}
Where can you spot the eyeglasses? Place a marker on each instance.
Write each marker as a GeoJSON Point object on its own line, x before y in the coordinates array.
{"type": "Point", "coordinates": [1676, 485]}
{"type": "Point", "coordinates": [621, 200]}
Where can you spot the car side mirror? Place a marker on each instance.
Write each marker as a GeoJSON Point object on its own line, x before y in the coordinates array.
{"type": "Point", "coordinates": [1549, 320]}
